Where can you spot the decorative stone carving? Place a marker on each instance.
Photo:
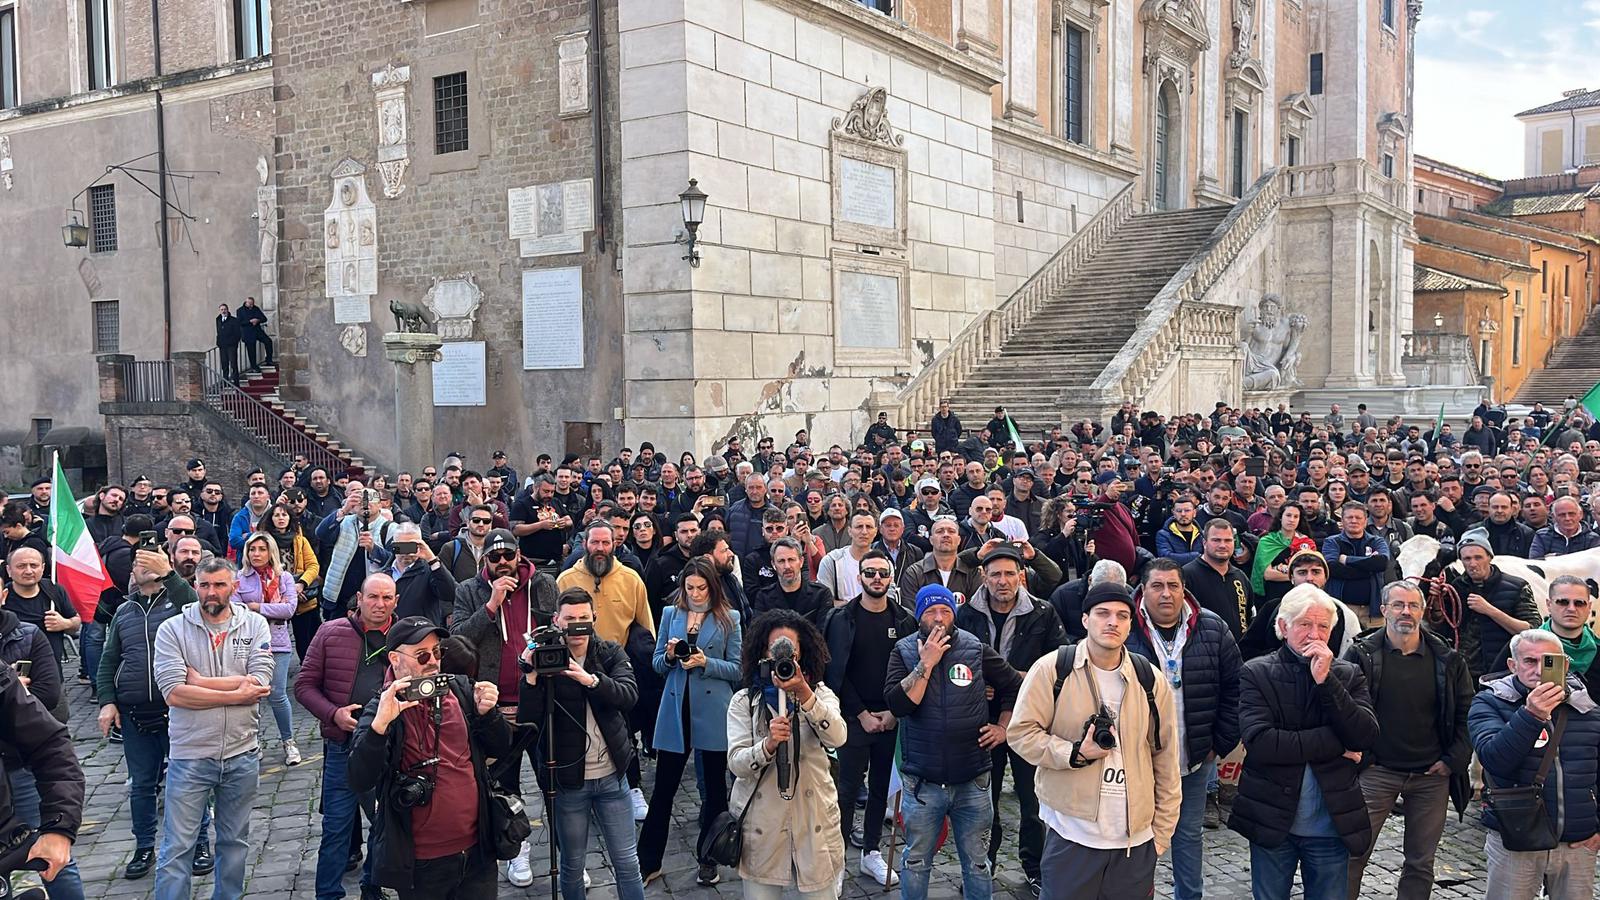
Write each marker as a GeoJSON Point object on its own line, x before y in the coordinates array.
{"type": "Point", "coordinates": [411, 318]}
{"type": "Point", "coordinates": [1391, 131]}
{"type": "Point", "coordinates": [1175, 32]}
{"type": "Point", "coordinates": [5, 161]}
{"type": "Point", "coordinates": [391, 85]}
{"type": "Point", "coordinates": [354, 339]}
{"type": "Point", "coordinates": [267, 234]}
{"type": "Point", "coordinates": [1272, 347]}
{"type": "Point", "coordinates": [1245, 84]}
{"type": "Point", "coordinates": [410, 348]}
{"type": "Point", "coordinates": [1413, 13]}
{"type": "Point", "coordinates": [350, 235]}
{"type": "Point", "coordinates": [454, 304]}
{"type": "Point", "coordinates": [572, 73]}
{"type": "Point", "coordinates": [1244, 35]}
{"type": "Point", "coordinates": [868, 119]}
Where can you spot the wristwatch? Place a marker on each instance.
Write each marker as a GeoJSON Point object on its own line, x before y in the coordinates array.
{"type": "Point", "coordinates": [595, 683]}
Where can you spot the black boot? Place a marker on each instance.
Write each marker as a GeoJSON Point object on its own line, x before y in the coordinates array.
{"type": "Point", "coordinates": [144, 859]}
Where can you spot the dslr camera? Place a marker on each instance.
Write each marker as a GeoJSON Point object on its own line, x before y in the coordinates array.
{"type": "Point", "coordinates": [411, 791]}
{"type": "Point", "coordinates": [426, 689]}
{"type": "Point", "coordinates": [549, 646]}
{"type": "Point", "coordinates": [1099, 728]}
{"type": "Point", "coordinates": [780, 664]}
{"type": "Point", "coordinates": [685, 648]}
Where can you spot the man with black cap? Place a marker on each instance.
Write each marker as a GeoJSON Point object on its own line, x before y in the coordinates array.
{"type": "Point", "coordinates": [425, 760]}
{"type": "Point", "coordinates": [197, 476]}
{"type": "Point", "coordinates": [1493, 606]}
{"type": "Point", "coordinates": [1022, 628]}
{"type": "Point", "coordinates": [501, 466]}
{"type": "Point", "coordinates": [936, 687]}
{"type": "Point", "coordinates": [1021, 502]}
{"type": "Point", "coordinates": [499, 608]}
{"type": "Point", "coordinates": [1101, 726]}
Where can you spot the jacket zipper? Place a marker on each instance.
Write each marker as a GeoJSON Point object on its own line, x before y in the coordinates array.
{"type": "Point", "coordinates": [1561, 799]}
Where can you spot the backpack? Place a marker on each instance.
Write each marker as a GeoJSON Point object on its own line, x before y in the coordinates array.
{"type": "Point", "coordinates": [1141, 667]}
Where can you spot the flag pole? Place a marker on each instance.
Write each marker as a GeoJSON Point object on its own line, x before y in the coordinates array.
{"type": "Point", "coordinates": [50, 527]}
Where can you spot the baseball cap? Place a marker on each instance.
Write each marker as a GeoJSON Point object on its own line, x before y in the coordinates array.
{"type": "Point", "coordinates": [891, 513]}
{"type": "Point", "coordinates": [499, 539]}
{"type": "Point", "coordinates": [918, 444]}
{"type": "Point", "coordinates": [498, 454]}
{"type": "Point", "coordinates": [1105, 478]}
{"type": "Point", "coordinates": [411, 630]}
{"type": "Point", "coordinates": [717, 464]}
{"type": "Point", "coordinates": [1024, 472]}
{"type": "Point", "coordinates": [1004, 551]}
{"type": "Point", "coordinates": [927, 482]}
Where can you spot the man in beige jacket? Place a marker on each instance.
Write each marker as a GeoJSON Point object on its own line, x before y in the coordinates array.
{"type": "Point", "coordinates": [1108, 772]}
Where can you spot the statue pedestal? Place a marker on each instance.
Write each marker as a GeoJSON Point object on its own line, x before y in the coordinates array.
{"type": "Point", "coordinates": [413, 356]}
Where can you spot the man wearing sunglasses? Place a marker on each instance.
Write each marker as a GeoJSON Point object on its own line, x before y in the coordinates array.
{"type": "Point", "coordinates": [929, 504]}
{"type": "Point", "coordinates": [463, 554]}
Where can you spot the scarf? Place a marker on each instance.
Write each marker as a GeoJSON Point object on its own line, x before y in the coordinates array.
{"type": "Point", "coordinates": [1581, 650]}
{"type": "Point", "coordinates": [269, 585]}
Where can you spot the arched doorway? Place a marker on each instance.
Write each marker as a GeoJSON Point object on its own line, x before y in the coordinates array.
{"type": "Point", "coordinates": [1165, 168]}
{"type": "Point", "coordinates": [1375, 306]}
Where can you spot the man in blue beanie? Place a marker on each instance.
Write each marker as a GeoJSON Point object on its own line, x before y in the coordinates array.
{"type": "Point", "coordinates": [936, 687]}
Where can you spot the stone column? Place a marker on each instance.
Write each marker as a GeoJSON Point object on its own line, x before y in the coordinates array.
{"type": "Point", "coordinates": [111, 372]}
{"type": "Point", "coordinates": [188, 380]}
{"type": "Point", "coordinates": [413, 356]}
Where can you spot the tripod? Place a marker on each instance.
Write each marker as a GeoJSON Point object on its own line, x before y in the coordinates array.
{"type": "Point", "coordinates": [548, 785]}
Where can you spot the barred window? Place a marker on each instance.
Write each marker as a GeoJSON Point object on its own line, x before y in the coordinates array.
{"type": "Point", "coordinates": [1072, 40]}
{"type": "Point", "coordinates": [107, 326]}
{"type": "Point", "coordinates": [450, 113]}
{"type": "Point", "coordinates": [103, 217]}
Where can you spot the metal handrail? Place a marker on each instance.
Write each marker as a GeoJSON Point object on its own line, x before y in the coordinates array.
{"type": "Point", "coordinates": [266, 425]}
{"type": "Point", "coordinates": [147, 381]}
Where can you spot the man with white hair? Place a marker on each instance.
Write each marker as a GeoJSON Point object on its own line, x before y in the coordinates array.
{"type": "Point", "coordinates": [1068, 598]}
{"type": "Point", "coordinates": [423, 586]}
{"type": "Point", "coordinates": [1566, 532]}
{"type": "Point", "coordinates": [1520, 728]}
{"type": "Point", "coordinates": [1304, 719]}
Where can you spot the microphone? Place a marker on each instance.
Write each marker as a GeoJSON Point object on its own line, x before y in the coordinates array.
{"type": "Point", "coordinates": [787, 760]}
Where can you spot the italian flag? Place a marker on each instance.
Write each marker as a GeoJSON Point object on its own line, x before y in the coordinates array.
{"type": "Point", "coordinates": [75, 562]}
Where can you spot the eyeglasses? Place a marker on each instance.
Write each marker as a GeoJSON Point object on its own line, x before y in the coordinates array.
{"type": "Point", "coordinates": [876, 573]}
{"type": "Point", "coordinates": [481, 521]}
{"type": "Point", "coordinates": [501, 556]}
{"type": "Point", "coordinates": [1565, 602]}
{"type": "Point", "coordinates": [427, 655]}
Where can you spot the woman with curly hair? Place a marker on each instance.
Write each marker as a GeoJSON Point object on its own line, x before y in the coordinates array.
{"type": "Point", "coordinates": [791, 838]}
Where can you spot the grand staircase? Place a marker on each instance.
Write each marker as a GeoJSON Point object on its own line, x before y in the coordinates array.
{"type": "Point", "coordinates": [1105, 320]}
{"type": "Point", "coordinates": [1078, 330]}
{"type": "Point", "coordinates": [1573, 368]}
{"type": "Point", "coordinates": [257, 408]}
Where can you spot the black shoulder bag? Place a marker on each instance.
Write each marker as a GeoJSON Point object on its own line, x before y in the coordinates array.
{"type": "Point", "coordinates": [723, 842]}
{"type": "Point", "coordinates": [1525, 824]}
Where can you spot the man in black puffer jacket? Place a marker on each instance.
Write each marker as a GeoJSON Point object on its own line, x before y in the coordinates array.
{"type": "Point", "coordinates": [1305, 717]}
{"type": "Point", "coordinates": [1195, 650]}
{"type": "Point", "coordinates": [1021, 628]}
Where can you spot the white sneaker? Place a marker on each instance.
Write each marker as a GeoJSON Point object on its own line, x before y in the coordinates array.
{"type": "Point", "coordinates": [641, 807]}
{"type": "Point", "coordinates": [874, 866]}
{"type": "Point", "coordinates": [519, 871]}
{"type": "Point", "coordinates": [291, 754]}
{"type": "Point", "coordinates": [586, 879]}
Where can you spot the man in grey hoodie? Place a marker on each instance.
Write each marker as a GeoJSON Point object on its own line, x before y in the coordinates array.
{"type": "Point", "coordinates": [213, 663]}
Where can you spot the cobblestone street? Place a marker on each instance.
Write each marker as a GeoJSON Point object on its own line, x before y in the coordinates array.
{"type": "Point", "coordinates": [286, 824]}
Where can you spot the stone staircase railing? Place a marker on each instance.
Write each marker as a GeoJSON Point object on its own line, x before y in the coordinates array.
{"type": "Point", "coordinates": [1345, 176]}
{"type": "Point", "coordinates": [982, 338]}
{"type": "Point", "coordinates": [1173, 319]}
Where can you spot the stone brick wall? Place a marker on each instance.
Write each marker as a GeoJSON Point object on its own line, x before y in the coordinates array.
{"type": "Point", "coordinates": [142, 440]}
{"type": "Point", "coordinates": [1059, 195]}
{"type": "Point", "coordinates": [451, 218]}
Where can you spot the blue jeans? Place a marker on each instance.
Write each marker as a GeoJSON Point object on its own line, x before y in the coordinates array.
{"type": "Point", "coordinates": [607, 799]}
{"type": "Point", "coordinates": [925, 806]}
{"type": "Point", "coordinates": [190, 784]}
{"type": "Point", "coordinates": [91, 640]}
{"type": "Point", "coordinates": [145, 753]}
{"type": "Point", "coordinates": [279, 698]}
{"type": "Point", "coordinates": [1188, 881]}
{"type": "Point", "coordinates": [1324, 868]}
{"type": "Point", "coordinates": [340, 810]}
{"type": "Point", "coordinates": [25, 807]}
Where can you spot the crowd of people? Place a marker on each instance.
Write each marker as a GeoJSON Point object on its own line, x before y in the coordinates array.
{"type": "Point", "coordinates": [1099, 616]}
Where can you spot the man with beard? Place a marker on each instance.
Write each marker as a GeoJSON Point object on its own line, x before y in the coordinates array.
{"type": "Point", "coordinates": [1421, 692]}
{"type": "Point", "coordinates": [790, 588]}
{"type": "Point", "coordinates": [211, 657]}
{"type": "Point", "coordinates": [756, 566]}
{"type": "Point", "coordinates": [1496, 606]}
{"type": "Point", "coordinates": [187, 555]}
{"type": "Point", "coordinates": [861, 636]}
{"type": "Point", "coordinates": [540, 523]}
{"type": "Point", "coordinates": [180, 504]}
{"type": "Point", "coordinates": [106, 520]}
{"type": "Point", "coordinates": [463, 555]}
{"type": "Point", "coordinates": [713, 542]}
{"type": "Point", "coordinates": [619, 596]}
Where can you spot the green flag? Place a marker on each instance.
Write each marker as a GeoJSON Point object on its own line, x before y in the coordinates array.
{"type": "Point", "coordinates": [1016, 439]}
{"type": "Point", "coordinates": [1591, 401]}
{"type": "Point", "coordinates": [1438, 423]}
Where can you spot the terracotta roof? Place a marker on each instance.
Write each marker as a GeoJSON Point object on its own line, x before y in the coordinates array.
{"type": "Point", "coordinates": [1533, 204]}
{"type": "Point", "coordinates": [1584, 100]}
{"type": "Point", "coordinates": [1426, 278]}
{"type": "Point", "coordinates": [1511, 263]}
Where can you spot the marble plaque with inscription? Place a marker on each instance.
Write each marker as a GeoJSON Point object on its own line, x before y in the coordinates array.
{"type": "Point", "coordinates": [867, 193]}
{"type": "Point", "coordinates": [521, 213]}
{"type": "Point", "coordinates": [554, 245]}
{"type": "Point", "coordinates": [352, 309]}
{"type": "Point", "coordinates": [461, 374]}
{"type": "Point", "coordinates": [869, 311]}
{"type": "Point", "coordinates": [552, 318]}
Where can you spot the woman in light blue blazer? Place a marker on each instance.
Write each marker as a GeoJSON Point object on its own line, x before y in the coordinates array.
{"type": "Point", "coordinates": [697, 650]}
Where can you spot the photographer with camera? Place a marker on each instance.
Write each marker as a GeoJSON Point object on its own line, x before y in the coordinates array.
{"type": "Point", "coordinates": [785, 719]}
{"type": "Point", "coordinates": [356, 532]}
{"type": "Point", "coordinates": [583, 686]}
{"type": "Point", "coordinates": [422, 584]}
{"type": "Point", "coordinates": [211, 658]}
{"type": "Point", "coordinates": [1102, 729]}
{"type": "Point", "coordinates": [1117, 538]}
{"type": "Point", "coordinates": [421, 745]}
{"type": "Point", "coordinates": [39, 744]}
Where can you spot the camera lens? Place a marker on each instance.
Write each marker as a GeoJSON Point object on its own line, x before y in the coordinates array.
{"type": "Point", "coordinates": [784, 669]}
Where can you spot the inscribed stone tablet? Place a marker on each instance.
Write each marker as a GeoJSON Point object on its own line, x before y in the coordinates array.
{"type": "Point", "coordinates": [866, 193]}
{"type": "Point", "coordinates": [869, 307]}
{"type": "Point", "coordinates": [460, 375]}
{"type": "Point", "coordinates": [552, 318]}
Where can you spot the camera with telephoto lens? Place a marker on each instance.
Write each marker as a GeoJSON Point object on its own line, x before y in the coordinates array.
{"type": "Point", "coordinates": [780, 665]}
{"type": "Point", "coordinates": [549, 646]}
{"type": "Point", "coordinates": [426, 689]}
{"type": "Point", "coordinates": [685, 647]}
{"type": "Point", "coordinates": [1099, 728]}
{"type": "Point", "coordinates": [411, 791]}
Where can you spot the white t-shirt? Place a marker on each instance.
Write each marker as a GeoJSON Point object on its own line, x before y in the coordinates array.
{"type": "Point", "coordinates": [1109, 829]}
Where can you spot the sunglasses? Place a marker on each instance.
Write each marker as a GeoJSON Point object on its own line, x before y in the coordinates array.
{"type": "Point", "coordinates": [1565, 602]}
{"type": "Point", "coordinates": [481, 521]}
{"type": "Point", "coordinates": [425, 656]}
{"type": "Point", "coordinates": [501, 556]}
{"type": "Point", "coordinates": [930, 492]}
{"type": "Point", "coordinates": [182, 530]}
{"type": "Point", "coordinates": [875, 573]}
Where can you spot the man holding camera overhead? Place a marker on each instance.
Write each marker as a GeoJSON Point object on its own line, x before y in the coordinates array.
{"type": "Point", "coordinates": [421, 745]}
{"type": "Point", "coordinates": [593, 746]}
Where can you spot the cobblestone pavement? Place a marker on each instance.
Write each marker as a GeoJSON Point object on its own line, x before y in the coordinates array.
{"type": "Point", "coordinates": [285, 826]}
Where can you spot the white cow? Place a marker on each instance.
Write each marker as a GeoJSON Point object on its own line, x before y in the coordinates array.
{"type": "Point", "coordinates": [1416, 553]}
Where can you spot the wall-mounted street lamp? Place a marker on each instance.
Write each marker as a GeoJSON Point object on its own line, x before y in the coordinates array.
{"type": "Point", "coordinates": [693, 205]}
{"type": "Point", "coordinates": [75, 233]}
{"type": "Point", "coordinates": [1438, 321]}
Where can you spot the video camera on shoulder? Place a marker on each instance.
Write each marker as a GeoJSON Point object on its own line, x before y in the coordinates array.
{"type": "Point", "coordinates": [1091, 515]}
{"type": "Point", "coordinates": [549, 646]}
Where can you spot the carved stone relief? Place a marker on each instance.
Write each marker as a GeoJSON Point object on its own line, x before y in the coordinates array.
{"type": "Point", "coordinates": [267, 233]}
{"type": "Point", "coordinates": [5, 161]}
{"type": "Point", "coordinates": [572, 70]}
{"type": "Point", "coordinates": [868, 119]}
{"type": "Point", "coordinates": [354, 339]}
{"type": "Point", "coordinates": [1272, 347]}
{"type": "Point", "coordinates": [454, 301]}
{"type": "Point", "coordinates": [391, 85]}
{"type": "Point", "coordinates": [350, 239]}
{"type": "Point", "coordinates": [1244, 35]}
